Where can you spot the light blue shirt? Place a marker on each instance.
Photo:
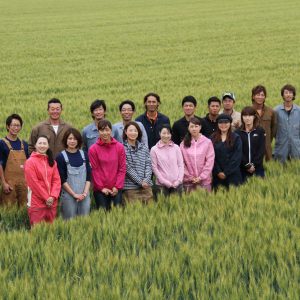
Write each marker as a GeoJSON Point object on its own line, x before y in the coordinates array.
{"type": "Point", "coordinates": [90, 136]}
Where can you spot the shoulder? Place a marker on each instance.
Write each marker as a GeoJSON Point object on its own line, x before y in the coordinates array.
{"type": "Point", "coordinates": [40, 125]}
{"type": "Point", "coordinates": [259, 129]}
{"type": "Point", "coordinates": [162, 117]}
{"type": "Point", "coordinates": [141, 117]}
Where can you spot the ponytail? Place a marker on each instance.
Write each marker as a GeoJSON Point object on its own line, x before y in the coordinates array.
{"type": "Point", "coordinates": [50, 157]}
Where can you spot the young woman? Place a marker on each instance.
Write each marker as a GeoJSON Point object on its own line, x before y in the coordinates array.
{"type": "Point", "coordinates": [108, 162]}
{"type": "Point", "coordinates": [253, 144]}
{"type": "Point", "coordinates": [228, 151]}
{"type": "Point", "coordinates": [198, 155]}
{"type": "Point", "coordinates": [138, 183]}
{"type": "Point", "coordinates": [75, 173]}
{"type": "Point", "coordinates": [167, 163]}
{"type": "Point", "coordinates": [42, 178]}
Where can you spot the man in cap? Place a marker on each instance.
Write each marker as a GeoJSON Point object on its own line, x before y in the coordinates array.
{"type": "Point", "coordinates": [228, 101]}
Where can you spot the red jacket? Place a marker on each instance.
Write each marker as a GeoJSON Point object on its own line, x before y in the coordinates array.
{"type": "Point", "coordinates": [108, 162]}
{"type": "Point", "coordinates": [43, 181]}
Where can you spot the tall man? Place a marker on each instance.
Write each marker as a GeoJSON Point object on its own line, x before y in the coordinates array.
{"type": "Point", "coordinates": [287, 144]}
{"type": "Point", "coordinates": [152, 119]}
{"type": "Point", "coordinates": [228, 101]}
{"type": "Point", "coordinates": [13, 154]}
{"type": "Point", "coordinates": [127, 109]}
{"type": "Point", "coordinates": [54, 128]}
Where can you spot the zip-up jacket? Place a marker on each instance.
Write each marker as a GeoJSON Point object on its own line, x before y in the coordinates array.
{"type": "Point", "coordinates": [43, 181]}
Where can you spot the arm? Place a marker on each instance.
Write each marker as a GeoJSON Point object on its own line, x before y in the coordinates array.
{"type": "Point", "coordinates": [175, 134]}
{"type": "Point", "coordinates": [236, 157]}
{"type": "Point", "coordinates": [5, 186]}
{"type": "Point", "coordinates": [273, 125]}
{"type": "Point", "coordinates": [187, 176]}
{"type": "Point", "coordinates": [84, 141]}
{"type": "Point", "coordinates": [144, 136]}
{"type": "Point", "coordinates": [121, 167]}
{"type": "Point", "coordinates": [258, 156]}
{"type": "Point", "coordinates": [96, 172]}
{"type": "Point", "coordinates": [148, 167]}
{"type": "Point", "coordinates": [32, 139]}
{"type": "Point", "coordinates": [209, 162]}
{"type": "Point", "coordinates": [55, 183]}
{"type": "Point", "coordinates": [180, 165]}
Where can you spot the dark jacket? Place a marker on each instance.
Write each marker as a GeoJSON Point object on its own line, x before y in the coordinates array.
{"type": "Point", "coordinates": [153, 129]}
{"type": "Point", "coordinates": [208, 126]}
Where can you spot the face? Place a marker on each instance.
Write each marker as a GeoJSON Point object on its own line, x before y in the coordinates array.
{"type": "Point", "coordinates": [72, 142]}
{"type": "Point", "coordinates": [14, 127]}
{"type": "Point", "coordinates": [98, 113]}
{"type": "Point", "coordinates": [189, 109]}
{"type": "Point", "coordinates": [228, 103]}
{"type": "Point", "coordinates": [248, 120]}
{"type": "Point", "coordinates": [194, 129]}
{"type": "Point", "coordinates": [165, 135]}
{"type": "Point", "coordinates": [288, 96]}
{"type": "Point", "coordinates": [42, 145]}
{"type": "Point", "coordinates": [259, 98]}
{"type": "Point", "coordinates": [127, 112]}
{"type": "Point", "coordinates": [105, 134]}
{"type": "Point", "coordinates": [151, 104]}
{"type": "Point", "coordinates": [132, 133]}
{"type": "Point", "coordinates": [54, 111]}
{"type": "Point", "coordinates": [224, 126]}
{"type": "Point", "coordinates": [214, 108]}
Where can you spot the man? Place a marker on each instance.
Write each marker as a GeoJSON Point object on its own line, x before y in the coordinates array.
{"type": "Point", "coordinates": [180, 127]}
{"type": "Point", "coordinates": [228, 101]}
{"type": "Point", "coordinates": [54, 128]}
{"type": "Point", "coordinates": [266, 117]}
{"type": "Point", "coordinates": [152, 119]}
{"type": "Point", "coordinates": [210, 120]}
{"type": "Point", "coordinates": [13, 154]}
{"type": "Point", "coordinates": [127, 109]}
{"type": "Point", "coordinates": [287, 145]}
{"type": "Point", "coordinates": [90, 133]}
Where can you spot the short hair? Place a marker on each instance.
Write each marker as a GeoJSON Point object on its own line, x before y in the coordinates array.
{"type": "Point", "coordinates": [136, 125]}
{"type": "Point", "coordinates": [76, 134]}
{"type": "Point", "coordinates": [153, 95]}
{"type": "Point", "coordinates": [165, 126]}
{"type": "Point", "coordinates": [103, 124]}
{"type": "Point", "coordinates": [190, 99]}
{"type": "Point", "coordinates": [289, 88]}
{"type": "Point", "coordinates": [249, 111]}
{"type": "Point", "coordinates": [11, 117]}
{"type": "Point", "coordinates": [55, 101]}
{"type": "Point", "coordinates": [129, 102]}
{"type": "Point", "coordinates": [213, 99]}
{"type": "Point", "coordinates": [96, 104]}
{"type": "Point", "coordinates": [258, 89]}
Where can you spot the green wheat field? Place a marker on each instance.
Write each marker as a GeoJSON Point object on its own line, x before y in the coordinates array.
{"type": "Point", "coordinates": [241, 244]}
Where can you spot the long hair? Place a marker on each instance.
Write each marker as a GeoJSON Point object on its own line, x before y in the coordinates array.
{"type": "Point", "coordinates": [187, 140]}
{"type": "Point", "coordinates": [249, 111]}
{"type": "Point", "coordinates": [48, 152]}
{"type": "Point", "coordinates": [217, 137]}
{"type": "Point", "coordinates": [136, 125]}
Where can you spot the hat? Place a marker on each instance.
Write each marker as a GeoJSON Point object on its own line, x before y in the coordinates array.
{"type": "Point", "coordinates": [228, 95]}
{"type": "Point", "coordinates": [223, 118]}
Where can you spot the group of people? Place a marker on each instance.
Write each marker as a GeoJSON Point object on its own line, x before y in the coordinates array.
{"type": "Point", "coordinates": [135, 160]}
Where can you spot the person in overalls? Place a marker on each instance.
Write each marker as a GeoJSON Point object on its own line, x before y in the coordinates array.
{"type": "Point", "coordinates": [75, 173]}
{"type": "Point", "coordinates": [13, 154]}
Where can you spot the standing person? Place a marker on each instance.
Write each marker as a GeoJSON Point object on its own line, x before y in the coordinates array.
{"type": "Point", "coordinates": [75, 173]}
{"type": "Point", "coordinates": [287, 144]}
{"type": "Point", "coordinates": [228, 101]}
{"type": "Point", "coordinates": [54, 128]}
{"type": "Point", "coordinates": [138, 181]}
{"type": "Point", "coordinates": [90, 133]}
{"type": "Point", "coordinates": [180, 127]}
{"type": "Point", "coordinates": [198, 156]}
{"type": "Point", "coordinates": [108, 162]}
{"type": "Point", "coordinates": [266, 117]}
{"type": "Point", "coordinates": [43, 182]}
{"type": "Point", "coordinates": [13, 154]}
{"type": "Point", "coordinates": [228, 154]}
{"type": "Point", "coordinates": [209, 124]}
{"type": "Point", "coordinates": [253, 144]}
{"type": "Point", "coordinates": [152, 119]}
{"type": "Point", "coordinates": [167, 163]}
{"type": "Point", "coordinates": [127, 109]}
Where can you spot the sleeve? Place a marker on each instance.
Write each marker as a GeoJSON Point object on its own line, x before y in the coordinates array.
{"type": "Point", "coordinates": [144, 136]}
{"type": "Point", "coordinates": [187, 176]}
{"type": "Point", "coordinates": [84, 141]}
{"type": "Point", "coordinates": [180, 166]}
{"type": "Point", "coordinates": [55, 183]}
{"type": "Point", "coordinates": [209, 162]}
{"type": "Point", "coordinates": [96, 174]}
{"type": "Point", "coordinates": [62, 168]}
{"type": "Point", "coordinates": [121, 167]}
{"type": "Point", "coordinates": [148, 166]}
{"type": "Point", "coordinates": [258, 156]}
{"type": "Point", "coordinates": [236, 157]}
{"type": "Point", "coordinates": [2, 153]}
{"type": "Point", "coordinates": [32, 139]}
{"type": "Point", "coordinates": [26, 150]}
{"type": "Point", "coordinates": [175, 134]}
{"type": "Point", "coordinates": [273, 125]}
{"type": "Point", "coordinates": [132, 174]}
{"type": "Point", "coordinates": [88, 167]}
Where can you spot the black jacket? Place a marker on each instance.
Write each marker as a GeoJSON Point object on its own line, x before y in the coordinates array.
{"type": "Point", "coordinates": [208, 126]}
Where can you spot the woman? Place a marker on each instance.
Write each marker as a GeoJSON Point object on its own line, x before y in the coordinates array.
{"type": "Point", "coordinates": [167, 163]}
{"type": "Point", "coordinates": [198, 155]}
{"type": "Point", "coordinates": [253, 144]}
{"type": "Point", "coordinates": [108, 162]}
{"type": "Point", "coordinates": [42, 178]}
{"type": "Point", "coordinates": [75, 173]}
{"type": "Point", "coordinates": [228, 151]}
{"type": "Point", "coordinates": [138, 183]}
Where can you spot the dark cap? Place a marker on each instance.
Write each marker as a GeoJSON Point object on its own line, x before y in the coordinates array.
{"type": "Point", "coordinates": [223, 118]}
{"type": "Point", "coordinates": [228, 95]}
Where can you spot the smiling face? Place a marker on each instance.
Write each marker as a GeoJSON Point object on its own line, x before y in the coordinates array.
{"type": "Point", "coordinates": [72, 142]}
{"type": "Point", "coordinates": [194, 130]}
{"type": "Point", "coordinates": [54, 111]}
{"type": "Point", "coordinates": [259, 98]}
{"type": "Point", "coordinates": [42, 145]}
{"type": "Point", "coordinates": [224, 126]}
{"type": "Point", "coordinates": [288, 96]}
{"type": "Point", "coordinates": [214, 108]}
{"type": "Point", "coordinates": [98, 113]}
{"type": "Point", "coordinates": [14, 127]}
{"type": "Point", "coordinates": [151, 104]}
{"type": "Point", "coordinates": [165, 135]}
{"type": "Point", "coordinates": [228, 104]}
{"type": "Point", "coordinates": [189, 109]}
{"type": "Point", "coordinates": [131, 133]}
{"type": "Point", "coordinates": [127, 112]}
{"type": "Point", "coordinates": [105, 134]}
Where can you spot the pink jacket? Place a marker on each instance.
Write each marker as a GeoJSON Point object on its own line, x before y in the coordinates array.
{"type": "Point", "coordinates": [167, 164]}
{"type": "Point", "coordinates": [43, 181]}
{"type": "Point", "coordinates": [198, 160]}
{"type": "Point", "coordinates": [108, 162]}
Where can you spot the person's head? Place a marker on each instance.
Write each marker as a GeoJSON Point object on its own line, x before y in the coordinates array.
{"type": "Point", "coordinates": [72, 139]}
{"type": "Point", "coordinates": [165, 133]}
{"type": "Point", "coordinates": [132, 132]}
{"type": "Point", "coordinates": [14, 124]}
{"type": "Point", "coordinates": [249, 117]}
{"type": "Point", "coordinates": [288, 92]}
{"type": "Point", "coordinates": [127, 109]}
{"type": "Point", "coordinates": [98, 109]}
{"type": "Point", "coordinates": [54, 109]}
{"type": "Point", "coordinates": [214, 105]}
{"type": "Point", "coordinates": [151, 102]}
{"type": "Point", "coordinates": [224, 123]}
{"type": "Point", "coordinates": [42, 147]}
{"type": "Point", "coordinates": [194, 129]}
{"type": "Point", "coordinates": [189, 104]}
{"type": "Point", "coordinates": [105, 129]}
{"type": "Point", "coordinates": [259, 94]}
{"type": "Point", "coordinates": [228, 100]}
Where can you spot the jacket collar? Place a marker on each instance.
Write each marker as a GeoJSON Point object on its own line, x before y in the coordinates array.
{"type": "Point", "coordinates": [101, 143]}
{"type": "Point", "coordinates": [160, 144]}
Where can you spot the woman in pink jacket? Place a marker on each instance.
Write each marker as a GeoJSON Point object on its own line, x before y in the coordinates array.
{"type": "Point", "coordinates": [43, 180]}
{"type": "Point", "coordinates": [198, 155]}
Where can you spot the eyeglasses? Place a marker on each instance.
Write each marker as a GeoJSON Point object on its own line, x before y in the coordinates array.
{"type": "Point", "coordinates": [126, 110]}
{"type": "Point", "coordinates": [15, 125]}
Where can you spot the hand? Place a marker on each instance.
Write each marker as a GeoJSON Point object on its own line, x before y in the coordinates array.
{"type": "Point", "coordinates": [78, 197]}
{"type": "Point", "coordinates": [175, 184]}
{"type": "Point", "coordinates": [106, 191]}
{"type": "Point", "coordinates": [145, 185]}
{"type": "Point", "coordinates": [221, 175]}
{"type": "Point", "coordinates": [235, 124]}
{"type": "Point", "coordinates": [6, 188]}
{"type": "Point", "coordinates": [251, 170]}
{"type": "Point", "coordinates": [196, 180]}
{"type": "Point", "coordinates": [49, 201]}
{"type": "Point", "coordinates": [114, 191]}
